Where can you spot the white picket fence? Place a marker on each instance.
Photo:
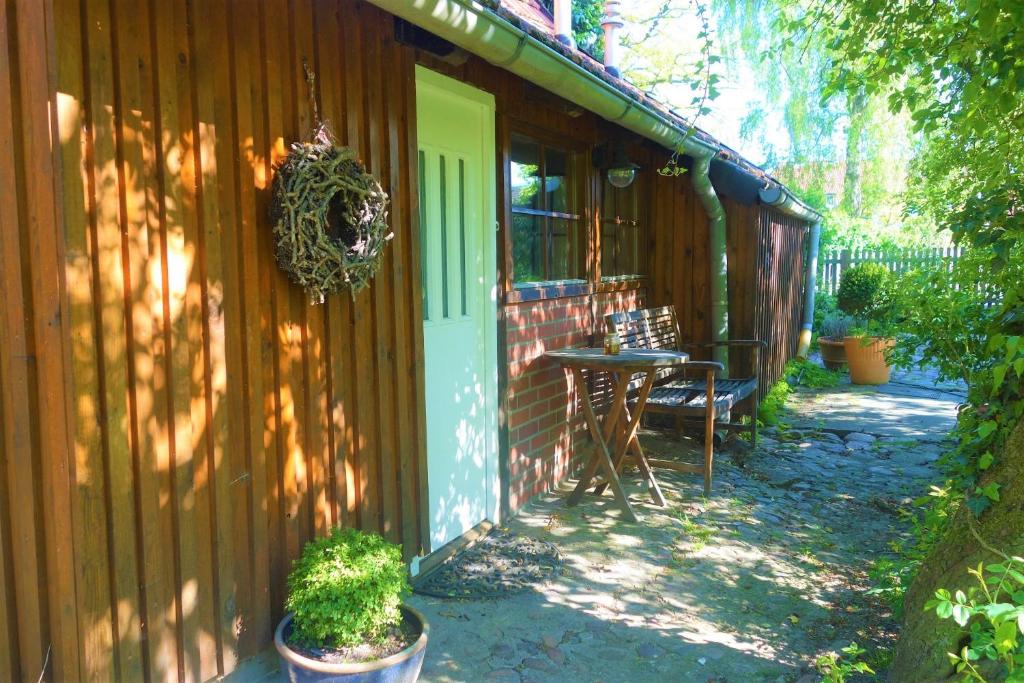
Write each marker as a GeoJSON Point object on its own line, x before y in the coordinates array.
{"type": "Point", "coordinates": [831, 265]}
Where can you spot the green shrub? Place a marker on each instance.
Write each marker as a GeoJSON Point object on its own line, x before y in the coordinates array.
{"type": "Point", "coordinates": [835, 326]}
{"type": "Point", "coordinates": [770, 407]}
{"type": "Point", "coordinates": [865, 292]}
{"type": "Point", "coordinates": [346, 589]}
{"type": "Point", "coordinates": [804, 373]}
{"type": "Point", "coordinates": [995, 611]}
{"type": "Point", "coordinates": [824, 308]}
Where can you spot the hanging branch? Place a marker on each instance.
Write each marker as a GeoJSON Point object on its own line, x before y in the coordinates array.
{"type": "Point", "coordinates": [708, 91]}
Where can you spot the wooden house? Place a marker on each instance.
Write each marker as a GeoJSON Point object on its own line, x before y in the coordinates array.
{"type": "Point", "coordinates": [176, 419]}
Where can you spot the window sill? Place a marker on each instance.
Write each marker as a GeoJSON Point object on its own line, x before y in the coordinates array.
{"type": "Point", "coordinates": [615, 283]}
{"type": "Point", "coordinates": [559, 289]}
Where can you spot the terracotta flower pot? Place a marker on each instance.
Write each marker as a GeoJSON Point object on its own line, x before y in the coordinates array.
{"type": "Point", "coordinates": [833, 352]}
{"type": "Point", "coordinates": [402, 667]}
{"type": "Point", "coordinates": [866, 358]}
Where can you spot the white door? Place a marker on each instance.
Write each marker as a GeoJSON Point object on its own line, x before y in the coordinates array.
{"type": "Point", "coordinates": [455, 128]}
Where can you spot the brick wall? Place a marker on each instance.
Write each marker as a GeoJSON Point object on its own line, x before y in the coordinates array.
{"type": "Point", "coordinates": [544, 420]}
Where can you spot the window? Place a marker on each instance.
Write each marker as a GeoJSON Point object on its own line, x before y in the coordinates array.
{"type": "Point", "coordinates": [623, 231]}
{"type": "Point", "coordinates": [547, 231]}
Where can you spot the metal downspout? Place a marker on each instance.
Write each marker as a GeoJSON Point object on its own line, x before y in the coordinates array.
{"type": "Point", "coordinates": [810, 287]}
{"type": "Point", "coordinates": [718, 254]}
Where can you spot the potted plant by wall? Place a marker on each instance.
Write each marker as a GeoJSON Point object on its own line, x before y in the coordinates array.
{"type": "Point", "coordinates": [865, 293]}
{"type": "Point", "coordinates": [834, 330]}
{"type": "Point", "coordinates": [346, 621]}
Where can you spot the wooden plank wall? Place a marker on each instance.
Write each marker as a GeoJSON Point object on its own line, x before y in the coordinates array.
{"type": "Point", "coordinates": [765, 250]}
{"type": "Point", "coordinates": [678, 247]}
{"type": "Point", "coordinates": [176, 419]}
{"type": "Point", "coordinates": [766, 276]}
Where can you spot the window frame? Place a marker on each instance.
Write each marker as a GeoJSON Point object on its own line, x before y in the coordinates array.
{"type": "Point", "coordinates": [577, 163]}
{"type": "Point", "coordinates": [639, 221]}
{"type": "Point", "coordinates": [589, 186]}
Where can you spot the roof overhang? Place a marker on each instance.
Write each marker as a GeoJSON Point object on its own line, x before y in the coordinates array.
{"type": "Point", "coordinates": [483, 32]}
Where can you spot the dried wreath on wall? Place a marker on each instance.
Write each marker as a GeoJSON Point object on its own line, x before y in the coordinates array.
{"type": "Point", "coordinates": [329, 215]}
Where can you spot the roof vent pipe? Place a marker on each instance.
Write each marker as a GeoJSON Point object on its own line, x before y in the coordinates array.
{"type": "Point", "coordinates": [611, 23]}
{"type": "Point", "coordinates": [563, 23]}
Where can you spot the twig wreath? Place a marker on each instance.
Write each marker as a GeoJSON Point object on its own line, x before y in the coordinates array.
{"type": "Point", "coordinates": [329, 215]}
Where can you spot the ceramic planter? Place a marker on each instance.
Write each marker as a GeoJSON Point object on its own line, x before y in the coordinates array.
{"type": "Point", "coordinates": [401, 667]}
{"type": "Point", "coordinates": [866, 358]}
{"type": "Point", "coordinates": [833, 352]}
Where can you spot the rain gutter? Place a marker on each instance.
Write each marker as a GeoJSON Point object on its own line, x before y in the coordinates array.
{"type": "Point", "coordinates": [473, 27]}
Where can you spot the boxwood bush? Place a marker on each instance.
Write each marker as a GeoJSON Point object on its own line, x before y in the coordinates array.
{"type": "Point", "coordinates": [865, 291]}
{"type": "Point", "coordinates": [346, 589]}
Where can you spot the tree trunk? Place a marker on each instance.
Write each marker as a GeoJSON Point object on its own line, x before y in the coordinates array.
{"type": "Point", "coordinates": [853, 181]}
{"type": "Point", "coordinates": [921, 651]}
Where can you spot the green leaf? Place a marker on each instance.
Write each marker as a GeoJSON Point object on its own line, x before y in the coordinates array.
{"type": "Point", "coordinates": [998, 611]}
{"type": "Point", "coordinates": [998, 376]}
{"type": "Point", "coordinates": [985, 461]}
{"type": "Point", "coordinates": [986, 428]}
{"type": "Point", "coordinates": [991, 491]}
{"type": "Point", "coordinates": [1006, 637]}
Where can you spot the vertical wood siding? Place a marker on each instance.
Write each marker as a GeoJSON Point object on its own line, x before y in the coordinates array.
{"type": "Point", "coordinates": [678, 250]}
{"type": "Point", "coordinates": [779, 290]}
{"type": "Point", "coordinates": [766, 285]}
{"type": "Point", "coordinates": [177, 420]}
{"type": "Point", "coordinates": [766, 254]}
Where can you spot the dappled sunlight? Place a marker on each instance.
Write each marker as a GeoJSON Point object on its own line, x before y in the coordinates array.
{"type": "Point", "coordinates": [749, 584]}
{"type": "Point", "coordinates": [216, 421]}
{"type": "Point", "coordinates": [460, 480]}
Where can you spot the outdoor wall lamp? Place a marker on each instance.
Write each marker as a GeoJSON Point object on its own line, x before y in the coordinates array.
{"type": "Point", "coordinates": [619, 169]}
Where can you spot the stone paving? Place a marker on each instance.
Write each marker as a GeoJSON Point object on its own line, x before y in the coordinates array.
{"type": "Point", "coordinates": [750, 585]}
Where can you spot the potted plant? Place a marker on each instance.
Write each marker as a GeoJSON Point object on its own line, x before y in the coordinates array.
{"type": "Point", "coordinates": [865, 293]}
{"type": "Point", "coordinates": [834, 330]}
{"type": "Point", "coordinates": [346, 620]}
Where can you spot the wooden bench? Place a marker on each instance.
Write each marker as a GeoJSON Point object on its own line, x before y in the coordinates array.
{"type": "Point", "coordinates": [686, 397]}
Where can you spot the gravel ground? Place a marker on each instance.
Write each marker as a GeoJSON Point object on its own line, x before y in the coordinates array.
{"type": "Point", "coordinates": [749, 585]}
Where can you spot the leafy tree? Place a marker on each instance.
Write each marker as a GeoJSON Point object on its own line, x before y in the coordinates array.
{"type": "Point", "coordinates": [957, 69]}
{"type": "Point", "coordinates": [586, 25]}
{"type": "Point", "coordinates": [848, 144]}
{"type": "Point", "coordinates": [668, 51]}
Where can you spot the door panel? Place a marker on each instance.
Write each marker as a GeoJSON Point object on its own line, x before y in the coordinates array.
{"type": "Point", "coordinates": [456, 172]}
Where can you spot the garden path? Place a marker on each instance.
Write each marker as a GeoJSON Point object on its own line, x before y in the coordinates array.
{"type": "Point", "coordinates": [750, 585]}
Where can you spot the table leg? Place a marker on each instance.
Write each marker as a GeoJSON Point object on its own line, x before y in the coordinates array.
{"type": "Point", "coordinates": [629, 439]}
{"type": "Point", "coordinates": [601, 457]}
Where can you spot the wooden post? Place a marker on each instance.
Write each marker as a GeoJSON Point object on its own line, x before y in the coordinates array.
{"type": "Point", "coordinates": [844, 265]}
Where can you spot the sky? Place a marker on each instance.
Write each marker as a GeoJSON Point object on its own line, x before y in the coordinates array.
{"type": "Point", "coordinates": [739, 89]}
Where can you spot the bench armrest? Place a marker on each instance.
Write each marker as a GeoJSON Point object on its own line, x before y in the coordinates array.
{"type": "Point", "coordinates": [703, 365]}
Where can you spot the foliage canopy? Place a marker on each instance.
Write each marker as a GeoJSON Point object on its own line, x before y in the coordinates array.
{"type": "Point", "coordinates": [957, 69]}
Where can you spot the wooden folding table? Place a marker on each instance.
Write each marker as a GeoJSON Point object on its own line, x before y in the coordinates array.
{"type": "Point", "coordinates": [617, 435]}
